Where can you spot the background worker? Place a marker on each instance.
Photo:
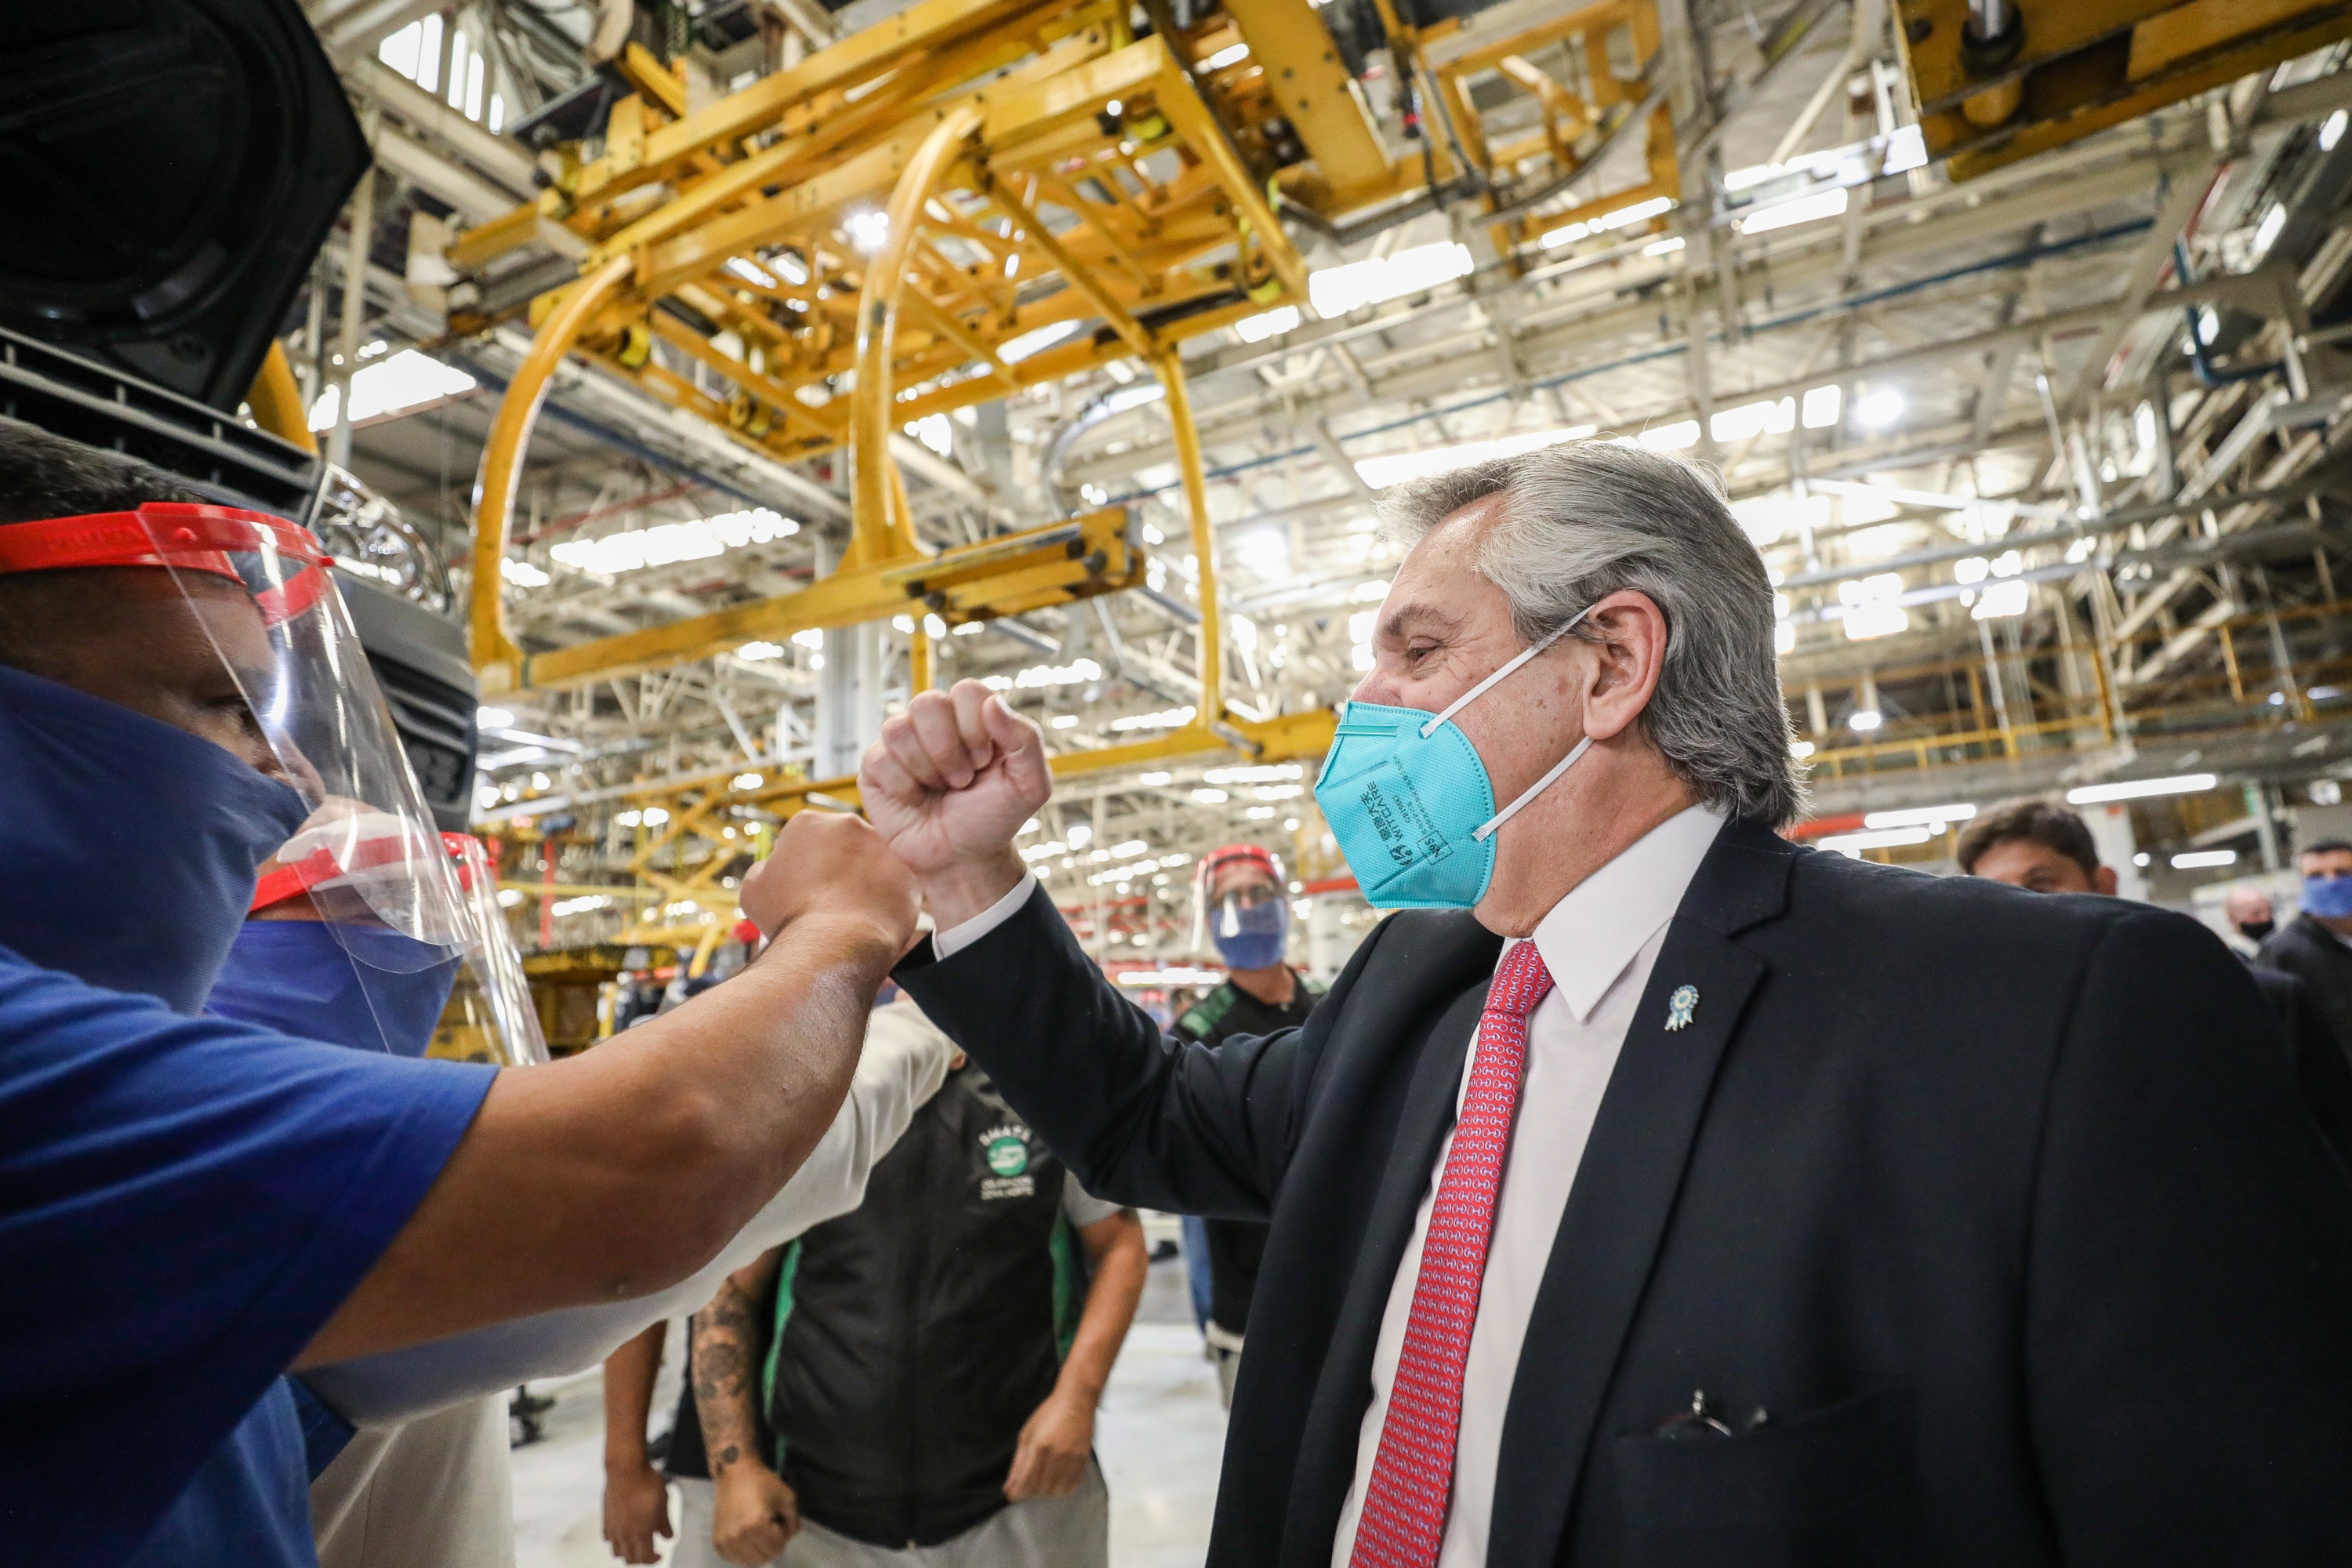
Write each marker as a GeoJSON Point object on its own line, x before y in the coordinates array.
{"type": "Point", "coordinates": [1241, 905]}
{"type": "Point", "coordinates": [2317, 945]}
{"type": "Point", "coordinates": [636, 1500]}
{"type": "Point", "coordinates": [203, 1202]}
{"type": "Point", "coordinates": [930, 1365]}
{"type": "Point", "coordinates": [2046, 847]}
{"type": "Point", "coordinates": [2248, 910]}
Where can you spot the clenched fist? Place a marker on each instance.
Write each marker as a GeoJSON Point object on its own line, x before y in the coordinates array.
{"type": "Point", "coordinates": [833, 866]}
{"type": "Point", "coordinates": [949, 784]}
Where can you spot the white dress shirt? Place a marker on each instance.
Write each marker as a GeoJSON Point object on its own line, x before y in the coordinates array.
{"type": "Point", "coordinates": [1600, 944]}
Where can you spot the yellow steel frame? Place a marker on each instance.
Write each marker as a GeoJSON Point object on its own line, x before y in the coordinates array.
{"type": "Point", "coordinates": [2085, 65]}
{"type": "Point", "coordinates": [999, 142]}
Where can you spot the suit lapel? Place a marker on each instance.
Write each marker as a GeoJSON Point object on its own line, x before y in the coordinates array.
{"type": "Point", "coordinates": [1327, 1458]}
{"type": "Point", "coordinates": [1625, 1193]}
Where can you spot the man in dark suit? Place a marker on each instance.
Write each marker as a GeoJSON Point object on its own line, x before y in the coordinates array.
{"type": "Point", "coordinates": [2046, 847]}
{"type": "Point", "coordinates": [2317, 945]}
{"type": "Point", "coordinates": [1788, 1210]}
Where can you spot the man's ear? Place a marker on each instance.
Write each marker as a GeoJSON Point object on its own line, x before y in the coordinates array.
{"type": "Point", "coordinates": [2104, 879]}
{"type": "Point", "coordinates": [1631, 658]}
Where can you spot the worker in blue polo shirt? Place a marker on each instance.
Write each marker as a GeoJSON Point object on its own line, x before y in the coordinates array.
{"type": "Point", "coordinates": [190, 1206]}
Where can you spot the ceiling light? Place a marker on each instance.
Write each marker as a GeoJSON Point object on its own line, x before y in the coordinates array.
{"type": "Point", "coordinates": [1804, 209]}
{"type": "Point", "coordinates": [2199, 860]}
{"type": "Point", "coordinates": [1919, 815]}
{"type": "Point", "coordinates": [1880, 408]}
{"type": "Point", "coordinates": [2135, 789]}
{"type": "Point", "coordinates": [1231, 55]}
{"type": "Point", "coordinates": [1853, 844]}
{"type": "Point", "coordinates": [867, 228]}
{"type": "Point", "coordinates": [493, 719]}
{"type": "Point", "coordinates": [1866, 720]}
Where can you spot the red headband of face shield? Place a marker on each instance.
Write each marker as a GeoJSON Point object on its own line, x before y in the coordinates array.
{"type": "Point", "coordinates": [1216, 861]}
{"type": "Point", "coordinates": [324, 868]}
{"type": "Point", "coordinates": [190, 538]}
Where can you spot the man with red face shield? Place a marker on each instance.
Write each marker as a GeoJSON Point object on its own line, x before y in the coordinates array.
{"type": "Point", "coordinates": [189, 1205]}
{"type": "Point", "coordinates": [1241, 908]}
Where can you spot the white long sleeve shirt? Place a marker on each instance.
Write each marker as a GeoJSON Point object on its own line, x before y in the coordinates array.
{"type": "Point", "coordinates": [1600, 942]}
{"type": "Point", "coordinates": [905, 1060]}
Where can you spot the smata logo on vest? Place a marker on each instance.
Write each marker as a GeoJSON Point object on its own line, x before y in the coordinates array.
{"type": "Point", "coordinates": [1006, 1148]}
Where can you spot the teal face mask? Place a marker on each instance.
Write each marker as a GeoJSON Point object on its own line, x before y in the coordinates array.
{"type": "Point", "coordinates": [1410, 804]}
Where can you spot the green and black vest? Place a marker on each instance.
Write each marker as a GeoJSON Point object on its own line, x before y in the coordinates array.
{"type": "Point", "coordinates": [915, 1336]}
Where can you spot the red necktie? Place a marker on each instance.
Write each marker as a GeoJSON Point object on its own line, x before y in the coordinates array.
{"type": "Point", "coordinates": [1403, 1518]}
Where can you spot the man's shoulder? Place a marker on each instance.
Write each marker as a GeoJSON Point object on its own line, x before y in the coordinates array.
{"type": "Point", "coordinates": [2301, 941]}
{"type": "Point", "coordinates": [1969, 920]}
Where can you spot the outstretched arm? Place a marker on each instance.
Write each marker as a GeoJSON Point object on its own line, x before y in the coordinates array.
{"type": "Point", "coordinates": [636, 1498]}
{"type": "Point", "coordinates": [1140, 1118]}
{"type": "Point", "coordinates": [756, 1513]}
{"type": "Point", "coordinates": [623, 1170]}
{"type": "Point", "coordinates": [1059, 1438]}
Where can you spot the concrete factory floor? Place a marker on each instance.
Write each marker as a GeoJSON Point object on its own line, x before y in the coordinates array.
{"type": "Point", "coordinates": [1159, 1437]}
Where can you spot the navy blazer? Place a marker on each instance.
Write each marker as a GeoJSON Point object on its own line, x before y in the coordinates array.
{"type": "Point", "coordinates": [2000, 1207]}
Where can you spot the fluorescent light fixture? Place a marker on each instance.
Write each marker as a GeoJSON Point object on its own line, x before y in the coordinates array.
{"type": "Point", "coordinates": [1567, 235]}
{"type": "Point", "coordinates": [1801, 750]}
{"type": "Point", "coordinates": [665, 542]}
{"type": "Point", "coordinates": [1398, 467]}
{"type": "Point", "coordinates": [1881, 408]}
{"type": "Point", "coordinates": [1919, 817]}
{"type": "Point", "coordinates": [1210, 796]}
{"type": "Point", "coordinates": [1804, 209]}
{"type": "Point", "coordinates": [1015, 350]}
{"type": "Point", "coordinates": [522, 573]}
{"type": "Point", "coordinates": [1270, 324]}
{"type": "Point", "coordinates": [1639, 212]}
{"type": "Point", "coordinates": [2331, 131]}
{"type": "Point", "coordinates": [1231, 55]}
{"type": "Point", "coordinates": [1863, 622]}
{"type": "Point", "coordinates": [404, 381]}
{"type": "Point", "coordinates": [2202, 859]}
{"type": "Point", "coordinates": [1821, 405]}
{"type": "Point", "coordinates": [867, 228]}
{"type": "Point", "coordinates": [1336, 290]}
{"type": "Point", "coordinates": [2003, 599]}
{"type": "Point", "coordinates": [1853, 843]}
{"type": "Point", "coordinates": [1865, 720]}
{"type": "Point", "coordinates": [494, 717]}
{"type": "Point", "coordinates": [1672, 437]}
{"type": "Point", "coordinates": [1076, 673]}
{"type": "Point", "coordinates": [746, 780]}
{"type": "Point", "coordinates": [2137, 789]}
{"type": "Point", "coordinates": [1662, 247]}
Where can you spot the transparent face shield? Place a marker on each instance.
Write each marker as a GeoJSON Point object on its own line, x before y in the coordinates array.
{"type": "Point", "coordinates": [1240, 911]}
{"type": "Point", "coordinates": [490, 1015]}
{"type": "Point", "coordinates": [370, 854]}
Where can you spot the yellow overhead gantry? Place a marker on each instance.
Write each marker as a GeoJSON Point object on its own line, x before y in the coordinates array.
{"type": "Point", "coordinates": [972, 198]}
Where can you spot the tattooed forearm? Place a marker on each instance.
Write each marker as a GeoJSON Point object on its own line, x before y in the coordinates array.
{"type": "Point", "coordinates": [726, 1347]}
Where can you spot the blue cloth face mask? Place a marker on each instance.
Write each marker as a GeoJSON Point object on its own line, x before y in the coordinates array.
{"type": "Point", "coordinates": [2328, 897]}
{"type": "Point", "coordinates": [129, 847]}
{"type": "Point", "coordinates": [1250, 935]}
{"type": "Point", "coordinates": [346, 984]}
{"type": "Point", "coordinates": [1410, 803]}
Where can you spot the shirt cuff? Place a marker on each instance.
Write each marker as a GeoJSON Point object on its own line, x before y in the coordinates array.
{"type": "Point", "coordinates": [945, 944]}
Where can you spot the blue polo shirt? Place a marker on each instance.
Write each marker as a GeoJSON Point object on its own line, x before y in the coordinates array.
{"type": "Point", "coordinates": [183, 1202]}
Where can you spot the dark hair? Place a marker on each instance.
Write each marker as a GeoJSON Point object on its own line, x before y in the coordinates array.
{"type": "Point", "coordinates": [44, 476]}
{"type": "Point", "coordinates": [2327, 847]}
{"type": "Point", "coordinates": [2042, 822]}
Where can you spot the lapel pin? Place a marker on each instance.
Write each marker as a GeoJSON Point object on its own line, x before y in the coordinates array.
{"type": "Point", "coordinates": [1680, 1006]}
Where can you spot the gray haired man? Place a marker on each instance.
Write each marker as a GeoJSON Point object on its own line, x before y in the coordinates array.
{"type": "Point", "coordinates": [1653, 1190]}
